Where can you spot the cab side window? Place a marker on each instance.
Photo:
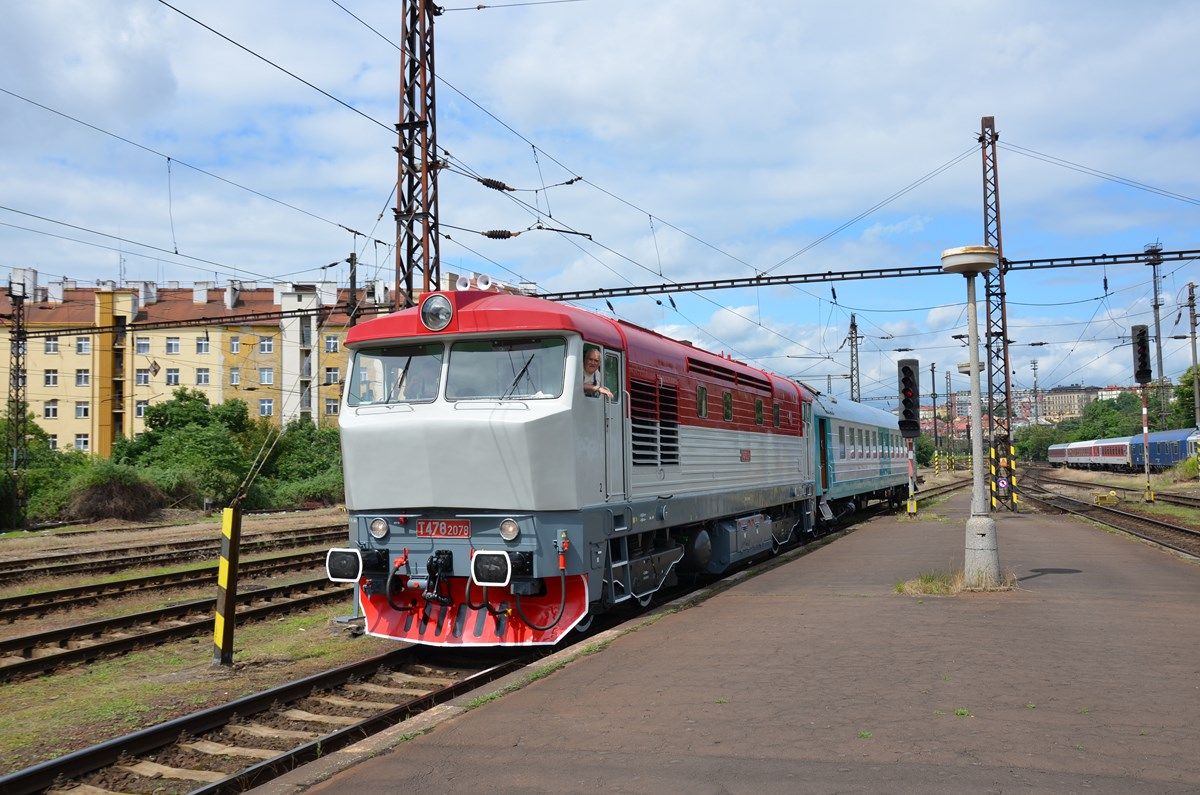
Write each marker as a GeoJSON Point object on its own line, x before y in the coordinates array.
{"type": "Point", "coordinates": [612, 376]}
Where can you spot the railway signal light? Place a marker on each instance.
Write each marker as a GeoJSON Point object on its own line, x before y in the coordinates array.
{"type": "Point", "coordinates": [1142, 372]}
{"type": "Point", "coordinates": [910, 398]}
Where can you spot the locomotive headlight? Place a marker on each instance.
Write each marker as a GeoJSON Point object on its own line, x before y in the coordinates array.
{"type": "Point", "coordinates": [509, 530]}
{"type": "Point", "coordinates": [436, 312]}
{"type": "Point", "coordinates": [379, 528]}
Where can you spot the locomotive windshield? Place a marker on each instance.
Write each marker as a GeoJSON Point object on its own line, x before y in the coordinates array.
{"type": "Point", "coordinates": [512, 368]}
{"type": "Point", "coordinates": [400, 374]}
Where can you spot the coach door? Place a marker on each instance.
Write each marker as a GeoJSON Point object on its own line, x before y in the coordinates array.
{"type": "Point", "coordinates": [614, 428]}
{"type": "Point", "coordinates": [823, 444]}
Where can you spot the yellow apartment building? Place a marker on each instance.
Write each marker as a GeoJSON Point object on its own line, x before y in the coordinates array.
{"type": "Point", "coordinates": [121, 349]}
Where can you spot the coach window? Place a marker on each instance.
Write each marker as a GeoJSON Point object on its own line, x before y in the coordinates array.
{"type": "Point", "coordinates": [775, 415]}
{"type": "Point", "coordinates": [858, 435]}
{"type": "Point", "coordinates": [758, 411]}
{"type": "Point", "coordinates": [842, 441]}
{"type": "Point", "coordinates": [701, 401]}
{"type": "Point", "coordinates": [728, 406]}
{"type": "Point", "coordinates": [612, 375]}
{"type": "Point", "coordinates": [874, 444]}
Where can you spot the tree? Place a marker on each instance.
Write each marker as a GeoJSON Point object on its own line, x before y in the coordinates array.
{"type": "Point", "coordinates": [1033, 441]}
{"type": "Point", "coordinates": [1183, 410]}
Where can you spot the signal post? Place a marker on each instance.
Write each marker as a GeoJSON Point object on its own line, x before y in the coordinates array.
{"type": "Point", "coordinates": [1143, 374]}
{"type": "Point", "coordinates": [907, 371]}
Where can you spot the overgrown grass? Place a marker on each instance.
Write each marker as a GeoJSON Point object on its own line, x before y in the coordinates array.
{"type": "Point", "coordinates": [946, 583]}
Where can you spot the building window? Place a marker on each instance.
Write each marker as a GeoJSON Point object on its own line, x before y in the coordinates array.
{"type": "Point", "coordinates": [235, 344]}
{"type": "Point", "coordinates": [266, 407]}
{"type": "Point", "coordinates": [758, 411]}
{"type": "Point", "coordinates": [266, 375]}
{"type": "Point", "coordinates": [266, 344]}
{"type": "Point", "coordinates": [172, 344]}
{"type": "Point", "coordinates": [51, 378]}
{"type": "Point", "coordinates": [332, 375]}
{"type": "Point", "coordinates": [331, 343]}
{"type": "Point", "coordinates": [52, 440]}
{"type": "Point", "coordinates": [172, 376]}
{"type": "Point", "coordinates": [701, 401]}
{"type": "Point", "coordinates": [82, 443]}
{"type": "Point", "coordinates": [83, 409]}
{"type": "Point", "coordinates": [141, 344]}
{"type": "Point", "coordinates": [139, 408]}
{"type": "Point", "coordinates": [728, 399]}
{"type": "Point", "coordinates": [201, 376]}
{"type": "Point", "coordinates": [83, 344]}
{"type": "Point", "coordinates": [51, 345]}
{"type": "Point", "coordinates": [83, 378]}
{"type": "Point", "coordinates": [141, 376]}
{"type": "Point", "coordinates": [50, 410]}
{"type": "Point", "coordinates": [235, 376]}
{"type": "Point", "coordinates": [202, 344]}
{"type": "Point", "coordinates": [331, 406]}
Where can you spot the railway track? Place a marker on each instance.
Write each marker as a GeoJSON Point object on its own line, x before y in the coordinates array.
{"type": "Point", "coordinates": [13, 608]}
{"type": "Point", "coordinates": [44, 651]}
{"type": "Point", "coordinates": [1166, 534]}
{"type": "Point", "coordinates": [116, 559]}
{"type": "Point", "coordinates": [239, 745]}
{"type": "Point", "coordinates": [1185, 500]}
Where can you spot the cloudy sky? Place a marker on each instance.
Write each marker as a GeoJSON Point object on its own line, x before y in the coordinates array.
{"type": "Point", "coordinates": [715, 139]}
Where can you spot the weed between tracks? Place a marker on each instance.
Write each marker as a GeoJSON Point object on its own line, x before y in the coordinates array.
{"type": "Point", "coordinates": [945, 583]}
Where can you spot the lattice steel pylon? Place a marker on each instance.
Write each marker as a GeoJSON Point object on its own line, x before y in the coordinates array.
{"type": "Point", "coordinates": [855, 381]}
{"type": "Point", "coordinates": [17, 419]}
{"type": "Point", "coordinates": [417, 238]}
{"type": "Point", "coordinates": [1003, 473]}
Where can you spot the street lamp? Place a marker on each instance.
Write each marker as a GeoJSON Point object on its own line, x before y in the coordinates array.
{"type": "Point", "coordinates": [981, 559]}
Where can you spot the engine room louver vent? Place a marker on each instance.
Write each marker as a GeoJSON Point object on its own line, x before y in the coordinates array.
{"type": "Point", "coordinates": [718, 373]}
{"type": "Point", "coordinates": [654, 414]}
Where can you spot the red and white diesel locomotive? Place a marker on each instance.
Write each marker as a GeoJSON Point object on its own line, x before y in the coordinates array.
{"type": "Point", "coordinates": [493, 500]}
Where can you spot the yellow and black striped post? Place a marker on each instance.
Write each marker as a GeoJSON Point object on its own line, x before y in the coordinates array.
{"type": "Point", "coordinates": [227, 571]}
{"type": "Point", "coordinates": [1012, 464]}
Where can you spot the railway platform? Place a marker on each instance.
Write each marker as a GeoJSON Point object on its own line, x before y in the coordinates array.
{"type": "Point", "coordinates": [816, 676]}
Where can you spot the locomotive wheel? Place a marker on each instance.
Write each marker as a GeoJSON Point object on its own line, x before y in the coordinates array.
{"type": "Point", "coordinates": [585, 623]}
{"type": "Point", "coordinates": [644, 601]}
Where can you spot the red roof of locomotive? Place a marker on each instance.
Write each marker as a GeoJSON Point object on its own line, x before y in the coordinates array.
{"type": "Point", "coordinates": [476, 311]}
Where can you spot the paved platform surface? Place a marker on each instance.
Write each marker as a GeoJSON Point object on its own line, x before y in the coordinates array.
{"type": "Point", "coordinates": [817, 677]}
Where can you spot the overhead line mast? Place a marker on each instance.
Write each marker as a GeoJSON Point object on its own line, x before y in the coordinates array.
{"type": "Point", "coordinates": [417, 238]}
{"type": "Point", "coordinates": [1003, 471]}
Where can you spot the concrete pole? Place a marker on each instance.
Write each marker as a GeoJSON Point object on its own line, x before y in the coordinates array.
{"type": "Point", "coordinates": [981, 560]}
{"type": "Point", "coordinates": [1161, 383]}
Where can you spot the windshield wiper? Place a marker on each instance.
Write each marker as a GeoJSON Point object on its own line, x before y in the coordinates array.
{"type": "Point", "coordinates": [394, 392]}
{"type": "Point", "coordinates": [516, 380]}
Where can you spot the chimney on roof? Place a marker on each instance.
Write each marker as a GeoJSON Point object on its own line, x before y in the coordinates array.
{"type": "Point", "coordinates": [54, 292]}
{"type": "Point", "coordinates": [379, 291]}
{"type": "Point", "coordinates": [277, 291]}
{"type": "Point", "coordinates": [172, 285]}
{"type": "Point", "coordinates": [233, 291]}
{"type": "Point", "coordinates": [23, 282]}
{"type": "Point", "coordinates": [105, 285]}
{"type": "Point", "coordinates": [147, 292]}
{"type": "Point", "coordinates": [200, 293]}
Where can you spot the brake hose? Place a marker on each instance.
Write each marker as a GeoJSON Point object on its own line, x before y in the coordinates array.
{"type": "Point", "coordinates": [562, 604]}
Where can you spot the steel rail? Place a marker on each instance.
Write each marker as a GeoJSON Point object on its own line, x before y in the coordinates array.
{"type": "Point", "coordinates": [40, 602]}
{"type": "Point", "coordinates": [1185, 500]}
{"type": "Point", "coordinates": [173, 553]}
{"type": "Point", "coordinates": [1104, 515]}
{"type": "Point", "coordinates": [25, 646]}
{"type": "Point", "coordinates": [43, 775]}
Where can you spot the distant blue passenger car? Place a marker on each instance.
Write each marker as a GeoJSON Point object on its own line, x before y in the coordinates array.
{"type": "Point", "coordinates": [1167, 448]}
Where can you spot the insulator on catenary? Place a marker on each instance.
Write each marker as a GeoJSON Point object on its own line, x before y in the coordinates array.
{"type": "Point", "coordinates": [499, 234]}
{"type": "Point", "coordinates": [494, 184]}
